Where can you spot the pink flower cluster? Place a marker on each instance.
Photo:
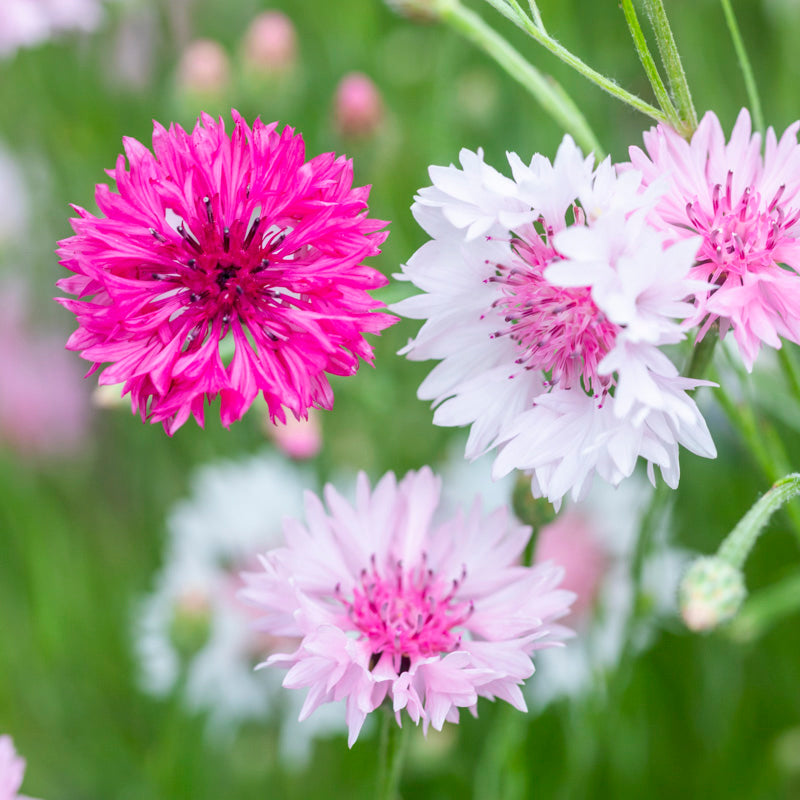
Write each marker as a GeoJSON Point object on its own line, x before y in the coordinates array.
{"type": "Point", "coordinates": [224, 266]}
{"type": "Point", "coordinates": [392, 605]}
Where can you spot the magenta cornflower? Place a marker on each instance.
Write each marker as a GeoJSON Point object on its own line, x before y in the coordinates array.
{"type": "Point", "coordinates": [746, 207]}
{"type": "Point", "coordinates": [224, 266]}
{"type": "Point", "coordinates": [393, 605]}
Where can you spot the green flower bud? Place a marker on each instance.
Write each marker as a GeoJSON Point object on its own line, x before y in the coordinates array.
{"type": "Point", "coordinates": [711, 593]}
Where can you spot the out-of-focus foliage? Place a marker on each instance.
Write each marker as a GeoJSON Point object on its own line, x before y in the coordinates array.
{"type": "Point", "coordinates": [82, 536]}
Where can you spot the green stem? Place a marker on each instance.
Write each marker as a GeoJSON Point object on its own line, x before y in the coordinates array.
{"type": "Point", "coordinates": [672, 64]}
{"type": "Point", "coordinates": [561, 52]}
{"type": "Point", "coordinates": [764, 444]}
{"type": "Point", "coordinates": [393, 747]}
{"type": "Point", "coordinates": [703, 353]}
{"type": "Point", "coordinates": [740, 540]}
{"type": "Point", "coordinates": [553, 100]}
{"type": "Point", "coordinates": [649, 64]}
{"type": "Point", "coordinates": [744, 64]}
{"type": "Point", "coordinates": [790, 369]}
{"type": "Point", "coordinates": [766, 607]}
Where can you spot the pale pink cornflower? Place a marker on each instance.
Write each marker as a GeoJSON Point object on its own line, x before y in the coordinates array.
{"type": "Point", "coordinates": [235, 245]}
{"type": "Point", "coordinates": [547, 299]}
{"type": "Point", "coordinates": [746, 208]}
{"type": "Point", "coordinates": [393, 605]}
{"type": "Point", "coordinates": [12, 770]}
{"type": "Point", "coordinates": [358, 106]}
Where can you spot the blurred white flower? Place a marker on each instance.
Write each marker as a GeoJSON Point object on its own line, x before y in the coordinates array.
{"type": "Point", "coordinates": [193, 632]}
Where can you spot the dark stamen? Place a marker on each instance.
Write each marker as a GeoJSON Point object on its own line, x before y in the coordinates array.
{"type": "Point", "coordinates": [248, 240]}
{"type": "Point", "coordinates": [209, 212]}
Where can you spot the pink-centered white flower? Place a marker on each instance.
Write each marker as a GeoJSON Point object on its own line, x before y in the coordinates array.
{"type": "Point", "coordinates": [392, 605]}
{"type": "Point", "coordinates": [746, 208]}
{"type": "Point", "coordinates": [224, 266]}
{"type": "Point", "coordinates": [547, 299]}
{"type": "Point", "coordinates": [12, 770]}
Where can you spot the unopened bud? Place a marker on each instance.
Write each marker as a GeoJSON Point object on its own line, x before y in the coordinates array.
{"type": "Point", "coordinates": [191, 624]}
{"type": "Point", "coordinates": [711, 593]}
{"type": "Point", "coordinates": [358, 106]}
{"type": "Point", "coordinates": [270, 44]}
{"type": "Point", "coordinates": [109, 396]}
{"type": "Point", "coordinates": [204, 68]}
{"type": "Point", "coordinates": [417, 10]}
{"type": "Point", "coordinates": [297, 438]}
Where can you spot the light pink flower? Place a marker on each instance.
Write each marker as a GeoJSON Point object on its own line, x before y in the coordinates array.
{"type": "Point", "coordinates": [746, 207]}
{"type": "Point", "coordinates": [391, 605]}
{"type": "Point", "coordinates": [12, 770]}
{"type": "Point", "coordinates": [237, 238]}
{"type": "Point", "coordinates": [270, 44]}
{"type": "Point", "coordinates": [358, 106]}
{"type": "Point", "coordinates": [44, 405]}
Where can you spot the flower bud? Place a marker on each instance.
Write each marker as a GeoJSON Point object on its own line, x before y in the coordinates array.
{"type": "Point", "coordinates": [358, 107]}
{"type": "Point", "coordinates": [270, 44]}
{"type": "Point", "coordinates": [416, 10]}
{"type": "Point", "coordinates": [204, 68]}
{"type": "Point", "coordinates": [297, 438]}
{"type": "Point", "coordinates": [191, 623]}
{"type": "Point", "coordinates": [711, 592]}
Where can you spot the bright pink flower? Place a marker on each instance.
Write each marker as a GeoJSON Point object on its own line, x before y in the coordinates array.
{"type": "Point", "coordinates": [390, 605]}
{"type": "Point", "coordinates": [571, 542]}
{"type": "Point", "coordinates": [358, 106]}
{"type": "Point", "coordinates": [215, 237]}
{"type": "Point", "coordinates": [12, 770]}
{"type": "Point", "coordinates": [747, 208]}
{"type": "Point", "coordinates": [44, 408]}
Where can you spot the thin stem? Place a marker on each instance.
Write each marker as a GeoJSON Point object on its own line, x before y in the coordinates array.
{"type": "Point", "coordinates": [554, 101]}
{"type": "Point", "coordinates": [790, 370]}
{"type": "Point", "coordinates": [739, 542]}
{"type": "Point", "coordinates": [393, 746]}
{"type": "Point", "coordinates": [561, 52]}
{"type": "Point", "coordinates": [703, 353]}
{"type": "Point", "coordinates": [649, 64]}
{"type": "Point", "coordinates": [672, 64]}
{"type": "Point", "coordinates": [536, 15]}
{"type": "Point", "coordinates": [766, 607]}
{"type": "Point", "coordinates": [744, 64]}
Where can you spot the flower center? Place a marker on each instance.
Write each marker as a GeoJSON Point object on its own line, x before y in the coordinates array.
{"type": "Point", "coordinates": [406, 612]}
{"type": "Point", "coordinates": [558, 331]}
{"type": "Point", "coordinates": [739, 236]}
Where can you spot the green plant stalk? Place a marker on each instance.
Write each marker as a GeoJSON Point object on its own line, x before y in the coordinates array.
{"type": "Point", "coordinates": [649, 64]}
{"type": "Point", "coordinates": [672, 64]}
{"type": "Point", "coordinates": [745, 66]}
{"type": "Point", "coordinates": [393, 746]}
{"type": "Point", "coordinates": [554, 101]}
{"type": "Point", "coordinates": [536, 15]}
{"type": "Point", "coordinates": [703, 353]}
{"type": "Point", "coordinates": [739, 542]}
{"type": "Point", "coordinates": [790, 370]}
{"type": "Point", "coordinates": [561, 52]}
{"type": "Point", "coordinates": [766, 607]}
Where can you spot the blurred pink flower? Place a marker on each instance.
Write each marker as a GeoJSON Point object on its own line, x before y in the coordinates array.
{"type": "Point", "coordinates": [12, 770]}
{"type": "Point", "coordinates": [358, 106]}
{"type": "Point", "coordinates": [204, 68]}
{"type": "Point", "coordinates": [571, 542]}
{"type": "Point", "coordinates": [270, 43]}
{"type": "Point", "coordinates": [746, 207]}
{"type": "Point", "coordinates": [24, 23]}
{"type": "Point", "coordinates": [44, 406]}
{"type": "Point", "coordinates": [389, 605]}
{"type": "Point", "coordinates": [224, 242]}
{"type": "Point", "coordinates": [297, 438]}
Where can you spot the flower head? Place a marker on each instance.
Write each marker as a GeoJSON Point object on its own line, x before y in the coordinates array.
{"type": "Point", "coordinates": [270, 43]}
{"type": "Point", "coordinates": [746, 209]}
{"type": "Point", "coordinates": [358, 106]}
{"type": "Point", "coordinates": [391, 605]}
{"type": "Point", "coordinates": [234, 244]}
{"type": "Point", "coordinates": [547, 298]}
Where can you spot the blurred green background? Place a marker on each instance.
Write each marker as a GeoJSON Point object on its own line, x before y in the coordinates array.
{"type": "Point", "coordinates": [81, 537]}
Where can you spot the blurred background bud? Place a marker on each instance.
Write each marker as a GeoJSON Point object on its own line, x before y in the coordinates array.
{"type": "Point", "coordinates": [299, 439]}
{"type": "Point", "coordinates": [191, 623]}
{"type": "Point", "coordinates": [711, 592]}
{"type": "Point", "coordinates": [269, 46]}
{"type": "Point", "coordinates": [204, 70]}
{"type": "Point", "coordinates": [358, 107]}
